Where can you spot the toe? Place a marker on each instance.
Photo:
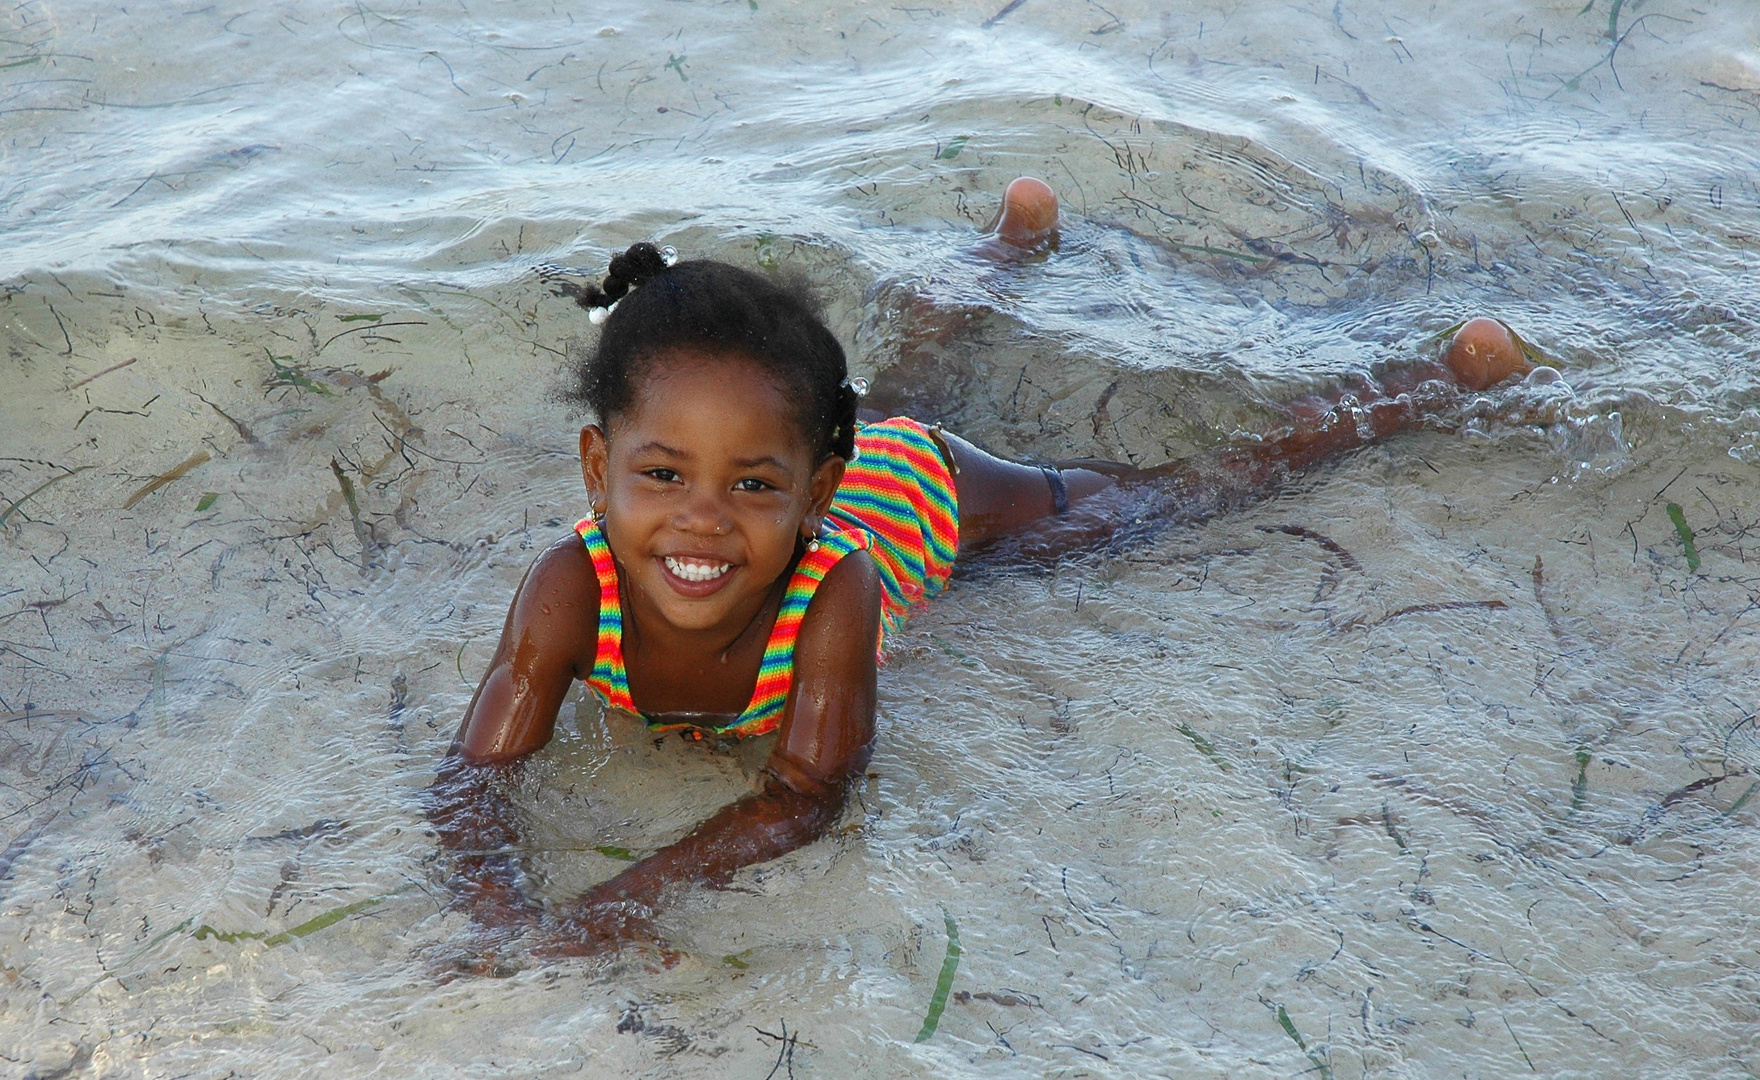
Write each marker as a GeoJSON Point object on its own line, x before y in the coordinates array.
{"type": "Point", "coordinates": [1029, 212]}
{"type": "Point", "coordinates": [1484, 353]}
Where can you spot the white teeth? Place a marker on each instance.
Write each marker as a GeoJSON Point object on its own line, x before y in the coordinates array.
{"type": "Point", "coordinates": [696, 569]}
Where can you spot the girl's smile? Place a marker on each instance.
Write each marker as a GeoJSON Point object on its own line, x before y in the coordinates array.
{"type": "Point", "coordinates": [695, 571]}
{"type": "Point", "coordinates": [707, 486]}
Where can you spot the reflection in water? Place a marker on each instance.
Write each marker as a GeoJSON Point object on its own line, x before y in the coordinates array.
{"type": "Point", "coordinates": [1442, 758]}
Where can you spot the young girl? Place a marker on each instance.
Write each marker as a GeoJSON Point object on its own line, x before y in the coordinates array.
{"type": "Point", "coordinates": [749, 543]}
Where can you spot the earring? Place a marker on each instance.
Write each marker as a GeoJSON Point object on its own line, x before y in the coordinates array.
{"type": "Point", "coordinates": [813, 541]}
{"type": "Point", "coordinates": [598, 514]}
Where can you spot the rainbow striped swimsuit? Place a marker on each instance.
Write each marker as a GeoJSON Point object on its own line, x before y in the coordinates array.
{"type": "Point", "coordinates": [896, 502]}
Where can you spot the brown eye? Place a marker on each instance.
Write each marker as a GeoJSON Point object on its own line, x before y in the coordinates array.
{"type": "Point", "coordinates": [752, 484]}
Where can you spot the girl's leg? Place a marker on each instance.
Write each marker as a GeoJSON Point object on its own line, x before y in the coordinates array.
{"type": "Point", "coordinates": [998, 497]}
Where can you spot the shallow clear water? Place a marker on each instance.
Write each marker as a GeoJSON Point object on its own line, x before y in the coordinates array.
{"type": "Point", "coordinates": [1439, 761]}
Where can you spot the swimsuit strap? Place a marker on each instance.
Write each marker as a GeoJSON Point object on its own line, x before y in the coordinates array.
{"type": "Point", "coordinates": [609, 676]}
{"type": "Point", "coordinates": [775, 672]}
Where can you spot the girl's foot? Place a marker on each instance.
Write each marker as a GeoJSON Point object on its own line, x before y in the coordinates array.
{"type": "Point", "coordinates": [1028, 218]}
{"type": "Point", "coordinates": [1484, 353]}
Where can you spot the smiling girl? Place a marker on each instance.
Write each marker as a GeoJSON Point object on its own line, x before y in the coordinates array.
{"type": "Point", "coordinates": [750, 543]}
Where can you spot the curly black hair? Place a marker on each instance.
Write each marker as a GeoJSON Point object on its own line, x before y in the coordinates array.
{"type": "Point", "coordinates": [716, 307]}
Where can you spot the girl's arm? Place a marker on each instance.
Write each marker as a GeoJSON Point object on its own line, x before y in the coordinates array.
{"type": "Point", "coordinates": [549, 624]}
{"type": "Point", "coordinates": [826, 738]}
{"type": "Point", "coordinates": [552, 627]}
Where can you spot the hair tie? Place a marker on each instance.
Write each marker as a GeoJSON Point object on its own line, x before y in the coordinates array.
{"type": "Point", "coordinates": [668, 258]}
{"type": "Point", "coordinates": [858, 384]}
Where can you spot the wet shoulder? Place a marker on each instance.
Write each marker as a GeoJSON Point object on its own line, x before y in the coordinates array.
{"type": "Point", "coordinates": [849, 594]}
{"type": "Point", "coordinates": [558, 603]}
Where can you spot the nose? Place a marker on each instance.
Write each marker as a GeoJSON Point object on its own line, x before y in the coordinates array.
{"type": "Point", "coordinates": [703, 513]}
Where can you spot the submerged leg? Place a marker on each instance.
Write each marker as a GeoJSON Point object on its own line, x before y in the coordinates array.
{"type": "Point", "coordinates": [1000, 498]}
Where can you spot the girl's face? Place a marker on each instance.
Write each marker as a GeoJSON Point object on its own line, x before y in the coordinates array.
{"type": "Point", "coordinates": [706, 483]}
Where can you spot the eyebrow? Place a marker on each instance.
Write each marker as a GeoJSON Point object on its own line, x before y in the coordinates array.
{"type": "Point", "coordinates": [752, 463]}
{"type": "Point", "coordinates": [658, 448]}
{"type": "Point", "coordinates": [743, 463]}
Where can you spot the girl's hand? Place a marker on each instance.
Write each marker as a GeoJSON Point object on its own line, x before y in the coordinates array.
{"type": "Point", "coordinates": [595, 927]}
{"type": "Point", "coordinates": [510, 931]}
{"type": "Point", "coordinates": [483, 951]}
{"type": "Point", "coordinates": [497, 906]}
